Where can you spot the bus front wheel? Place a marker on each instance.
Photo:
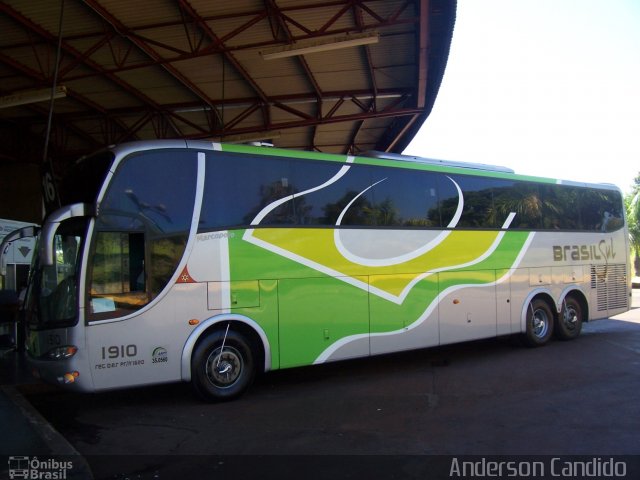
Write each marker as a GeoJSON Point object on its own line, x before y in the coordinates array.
{"type": "Point", "coordinates": [539, 323]}
{"type": "Point", "coordinates": [222, 366]}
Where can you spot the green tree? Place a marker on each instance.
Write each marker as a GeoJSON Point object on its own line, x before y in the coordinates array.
{"type": "Point", "coordinates": [632, 202]}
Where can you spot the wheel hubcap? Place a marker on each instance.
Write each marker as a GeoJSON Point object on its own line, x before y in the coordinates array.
{"type": "Point", "coordinates": [540, 323]}
{"type": "Point", "coordinates": [223, 368]}
{"type": "Point", "coordinates": [570, 317]}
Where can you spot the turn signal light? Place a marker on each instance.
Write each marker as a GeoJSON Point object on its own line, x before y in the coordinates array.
{"type": "Point", "coordinates": [70, 377]}
{"type": "Point", "coordinates": [194, 321]}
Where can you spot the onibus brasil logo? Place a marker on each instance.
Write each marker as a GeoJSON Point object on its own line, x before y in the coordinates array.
{"type": "Point", "coordinates": [34, 468]}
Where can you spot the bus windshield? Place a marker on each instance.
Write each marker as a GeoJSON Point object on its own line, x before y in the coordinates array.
{"type": "Point", "coordinates": [52, 298]}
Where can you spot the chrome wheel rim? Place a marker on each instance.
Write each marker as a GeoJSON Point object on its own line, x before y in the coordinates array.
{"type": "Point", "coordinates": [540, 323]}
{"type": "Point", "coordinates": [570, 317]}
{"type": "Point", "coordinates": [223, 368]}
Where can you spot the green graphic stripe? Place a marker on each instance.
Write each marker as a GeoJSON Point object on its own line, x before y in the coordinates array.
{"type": "Point", "coordinates": [281, 152]}
{"type": "Point", "coordinates": [314, 310]}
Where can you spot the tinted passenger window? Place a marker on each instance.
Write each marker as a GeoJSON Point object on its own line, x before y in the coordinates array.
{"type": "Point", "coordinates": [404, 198]}
{"type": "Point", "coordinates": [448, 200]}
{"type": "Point", "coordinates": [329, 205]}
{"type": "Point", "coordinates": [524, 200]}
{"type": "Point", "coordinates": [238, 187]}
{"type": "Point", "coordinates": [601, 210]}
{"type": "Point", "coordinates": [560, 207]}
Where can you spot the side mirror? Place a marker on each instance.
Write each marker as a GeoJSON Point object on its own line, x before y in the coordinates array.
{"type": "Point", "coordinates": [50, 227]}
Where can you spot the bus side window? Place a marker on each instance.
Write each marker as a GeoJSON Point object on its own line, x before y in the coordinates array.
{"type": "Point", "coordinates": [118, 281]}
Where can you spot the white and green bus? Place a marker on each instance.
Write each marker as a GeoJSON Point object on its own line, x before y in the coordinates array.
{"type": "Point", "coordinates": [210, 263]}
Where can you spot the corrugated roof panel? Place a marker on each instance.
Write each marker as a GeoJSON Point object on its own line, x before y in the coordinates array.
{"type": "Point", "coordinates": [396, 77]}
{"type": "Point", "coordinates": [91, 126]}
{"type": "Point", "coordinates": [254, 121]}
{"type": "Point", "coordinates": [46, 14]}
{"type": "Point", "coordinates": [102, 92]}
{"type": "Point", "coordinates": [194, 117]}
{"type": "Point", "coordinates": [346, 108]}
{"type": "Point", "coordinates": [282, 76]}
{"type": "Point", "coordinates": [278, 115]}
{"type": "Point", "coordinates": [166, 127]}
{"type": "Point", "coordinates": [338, 134]}
{"type": "Point", "coordinates": [352, 59]}
{"type": "Point", "coordinates": [258, 67]}
{"type": "Point", "coordinates": [157, 85]}
{"type": "Point", "coordinates": [389, 8]}
{"type": "Point", "coordinates": [342, 80]}
{"type": "Point", "coordinates": [394, 50]}
{"type": "Point", "coordinates": [184, 38]}
{"type": "Point", "coordinates": [39, 58]}
{"type": "Point", "coordinates": [67, 105]}
{"type": "Point", "coordinates": [341, 69]}
{"type": "Point", "coordinates": [370, 134]}
{"type": "Point", "coordinates": [60, 105]}
{"type": "Point", "coordinates": [18, 113]}
{"type": "Point", "coordinates": [77, 144]}
{"type": "Point", "coordinates": [159, 23]}
{"type": "Point", "coordinates": [247, 35]}
{"type": "Point", "coordinates": [213, 79]}
{"type": "Point", "coordinates": [314, 19]}
{"type": "Point", "coordinates": [12, 80]}
{"type": "Point", "coordinates": [373, 123]}
{"type": "Point", "coordinates": [136, 14]}
{"type": "Point", "coordinates": [292, 137]}
{"type": "Point", "coordinates": [11, 33]}
{"type": "Point", "coordinates": [284, 4]}
{"type": "Point", "coordinates": [115, 54]}
{"type": "Point", "coordinates": [208, 8]}
{"type": "Point", "coordinates": [283, 85]}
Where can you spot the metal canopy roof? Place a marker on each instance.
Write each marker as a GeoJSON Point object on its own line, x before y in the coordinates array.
{"type": "Point", "coordinates": [197, 69]}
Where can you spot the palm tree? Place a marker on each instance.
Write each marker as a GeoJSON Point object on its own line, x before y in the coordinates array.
{"type": "Point", "coordinates": [632, 202]}
{"type": "Point", "coordinates": [633, 220]}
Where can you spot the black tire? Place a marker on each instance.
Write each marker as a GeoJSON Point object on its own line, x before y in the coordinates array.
{"type": "Point", "coordinates": [217, 377]}
{"type": "Point", "coordinates": [569, 323]}
{"type": "Point", "coordinates": [540, 320]}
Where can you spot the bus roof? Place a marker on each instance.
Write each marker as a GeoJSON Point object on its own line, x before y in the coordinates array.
{"type": "Point", "coordinates": [370, 156]}
{"type": "Point", "coordinates": [433, 161]}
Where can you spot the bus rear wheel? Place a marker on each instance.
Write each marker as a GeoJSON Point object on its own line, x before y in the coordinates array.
{"type": "Point", "coordinates": [222, 366]}
{"type": "Point", "coordinates": [569, 324]}
{"type": "Point", "coordinates": [540, 321]}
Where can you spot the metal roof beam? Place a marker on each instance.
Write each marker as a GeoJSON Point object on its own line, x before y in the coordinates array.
{"type": "Point", "coordinates": [272, 7]}
{"type": "Point", "coordinates": [220, 47]}
{"type": "Point", "coordinates": [311, 121]}
{"type": "Point", "coordinates": [219, 43]}
{"type": "Point", "coordinates": [120, 28]}
{"type": "Point", "coordinates": [68, 49]}
{"type": "Point", "coordinates": [39, 79]}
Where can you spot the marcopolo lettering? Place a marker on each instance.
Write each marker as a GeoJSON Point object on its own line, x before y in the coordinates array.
{"type": "Point", "coordinates": [601, 251]}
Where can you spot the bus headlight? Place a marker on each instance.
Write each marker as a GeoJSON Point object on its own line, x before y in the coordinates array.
{"type": "Point", "coordinates": [60, 353]}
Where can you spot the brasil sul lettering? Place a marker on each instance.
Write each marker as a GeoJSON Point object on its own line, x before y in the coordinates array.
{"type": "Point", "coordinates": [601, 251]}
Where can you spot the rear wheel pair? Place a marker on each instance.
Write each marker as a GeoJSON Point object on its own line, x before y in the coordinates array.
{"type": "Point", "coordinates": [222, 365]}
{"type": "Point", "coordinates": [542, 323]}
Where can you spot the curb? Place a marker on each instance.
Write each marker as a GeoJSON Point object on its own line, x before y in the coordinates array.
{"type": "Point", "coordinates": [56, 443]}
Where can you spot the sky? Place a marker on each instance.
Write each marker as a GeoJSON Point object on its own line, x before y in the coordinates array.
{"type": "Point", "coordinates": [546, 87]}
